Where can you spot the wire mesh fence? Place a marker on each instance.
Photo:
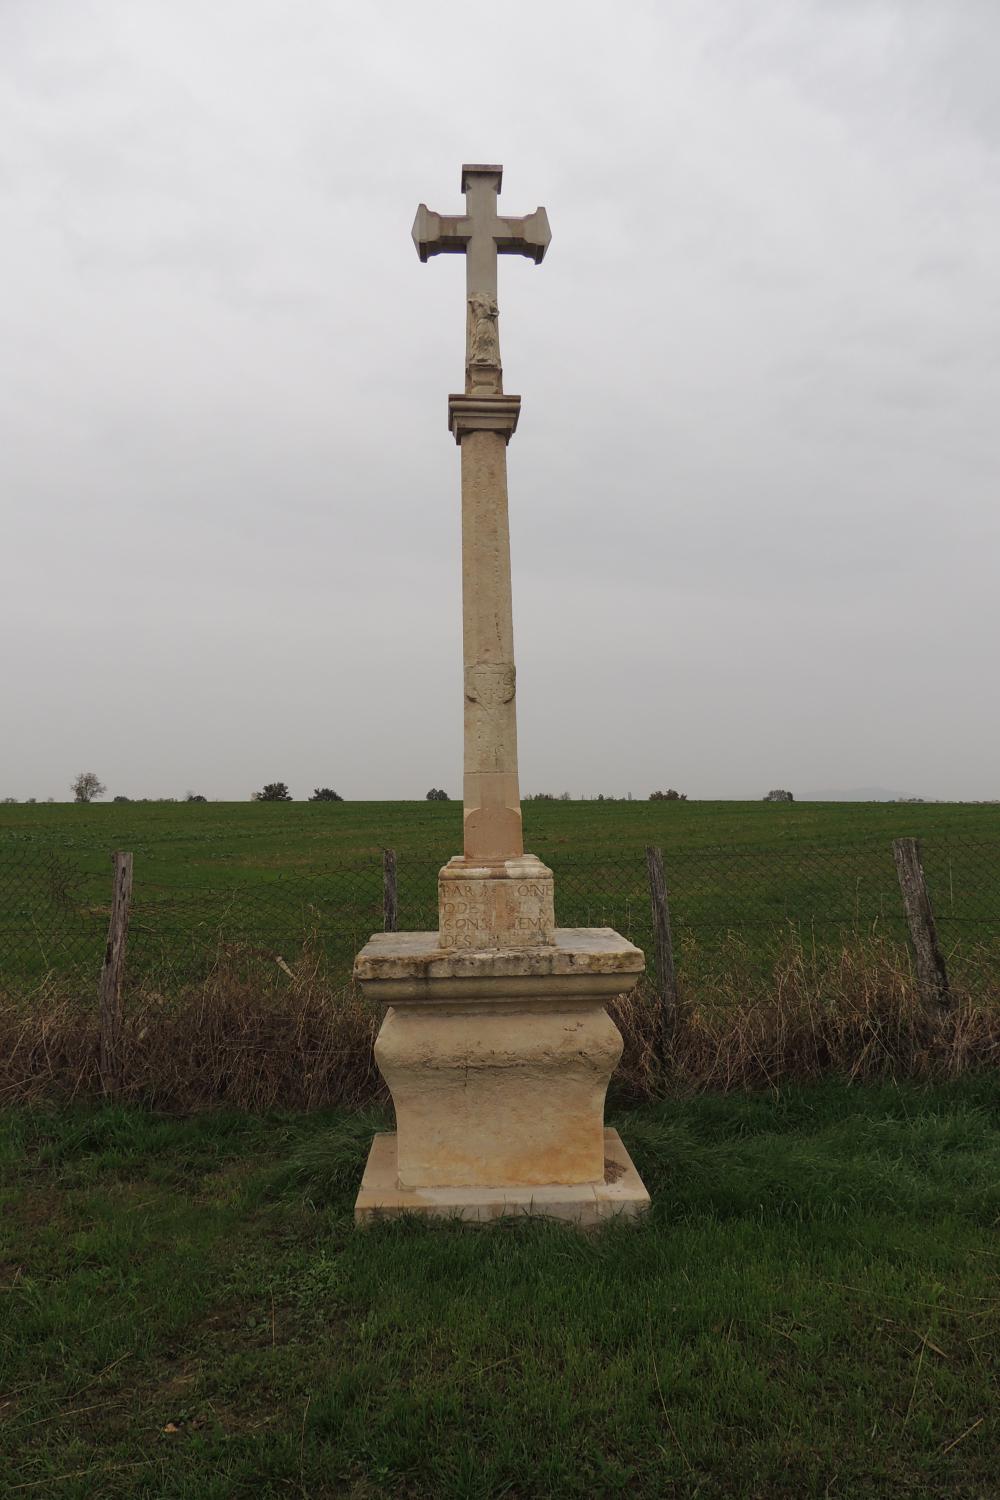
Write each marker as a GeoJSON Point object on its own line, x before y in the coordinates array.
{"type": "Point", "coordinates": [55, 904]}
{"type": "Point", "coordinates": [54, 910]}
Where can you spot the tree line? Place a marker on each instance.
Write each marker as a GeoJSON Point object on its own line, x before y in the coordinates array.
{"type": "Point", "coordinates": [88, 786]}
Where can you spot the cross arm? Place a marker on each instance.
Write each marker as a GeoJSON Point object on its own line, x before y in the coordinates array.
{"type": "Point", "coordinates": [529, 236]}
{"type": "Point", "coordinates": [438, 234]}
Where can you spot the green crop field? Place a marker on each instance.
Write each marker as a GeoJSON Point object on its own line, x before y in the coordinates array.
{"type": "Point", "coordinates": [193, 840]}
{"type": "Point", "coordinates": [278, 874]}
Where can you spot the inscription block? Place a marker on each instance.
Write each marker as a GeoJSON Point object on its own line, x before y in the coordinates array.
{"type": "Point", "coordinates": [500, 906]}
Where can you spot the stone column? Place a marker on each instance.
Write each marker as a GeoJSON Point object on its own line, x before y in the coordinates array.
{"type": "Point", "coordinates": [492, 801]}
{"type": "Point", "coordinates": [493, 895]}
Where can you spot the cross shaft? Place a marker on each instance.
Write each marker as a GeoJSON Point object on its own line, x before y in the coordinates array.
{"type": "Point", "coordinates": [482, 421]}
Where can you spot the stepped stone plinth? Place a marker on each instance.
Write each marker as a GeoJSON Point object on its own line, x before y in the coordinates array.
{"type": "Point", "coordinates": [498, 1062]}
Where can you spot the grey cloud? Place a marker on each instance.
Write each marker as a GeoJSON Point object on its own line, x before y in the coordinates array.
{"type": "Point", "coordinates": [758, 368]}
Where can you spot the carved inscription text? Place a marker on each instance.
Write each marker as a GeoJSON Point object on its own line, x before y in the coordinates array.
{"type": "Point", "coordinates": [495, 913]}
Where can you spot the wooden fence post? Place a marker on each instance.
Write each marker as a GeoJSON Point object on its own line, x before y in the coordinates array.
{"type": "Point", "coordinates": [390, 893]}
{"type": "Point", "coordinates": [666, 977]}
{"type": "Point", "coordinates": [113, 974]}
{"type": "Point", "coordinates": [932, 974]}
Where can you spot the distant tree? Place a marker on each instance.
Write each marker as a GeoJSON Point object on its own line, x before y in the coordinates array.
{"type": "Point", "coordinates": [195, 797]}
{"type": "Point", "coordinates": [779, 796]}
{"type": "Point", "coordinates": [120, 798]}
{"type": "Point", "coordinates": [668, 796]}
{"type": "Point", "coordinates": [436, 794]}
{"type": "Point", "coordinates": [325, 794]}
{"type": "Point", "coordinates": [87, 786]}
{"type": "Point", "coordinates": [31, 801]}
{"type": "Point", "coordinates": [541, 797]}
{"type": "Point", "coordinates": [275, 791]}
{"type": "Point", "coordinates": [8, 801]}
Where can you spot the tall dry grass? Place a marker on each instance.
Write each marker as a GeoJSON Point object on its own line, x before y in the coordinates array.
{"type": "Point", "coordinates": [852, 1011]}
{"type": "Point", "coordinates": [250, 1036]}
{"type": "Point", "coordinates": [255, 1037]}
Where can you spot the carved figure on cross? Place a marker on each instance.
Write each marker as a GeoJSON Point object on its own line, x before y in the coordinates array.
{"type": "Point", "coordinates": [481, 234]}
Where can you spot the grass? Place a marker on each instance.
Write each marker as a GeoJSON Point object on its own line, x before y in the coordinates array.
{"type": "Point", "coordinates": [812, 1309]}
{"type": "Point", "coordinates": [270, 874]}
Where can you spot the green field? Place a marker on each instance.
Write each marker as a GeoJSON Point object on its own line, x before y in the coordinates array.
{"type": "Point", "coordinates": [276, 874]}
{"type": "Point", "coordinates": [197, 838]}
{"type": "Point", "coordinates": [811, 1310]}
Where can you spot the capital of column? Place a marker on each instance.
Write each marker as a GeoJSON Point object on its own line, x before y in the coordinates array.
{"type": "Point", "coordinates": [483, 414]}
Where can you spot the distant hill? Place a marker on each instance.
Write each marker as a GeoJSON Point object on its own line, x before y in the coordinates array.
{"type": "Point", "coordinates": [852, 794]}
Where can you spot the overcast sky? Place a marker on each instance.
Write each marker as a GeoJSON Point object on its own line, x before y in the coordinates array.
{"type": "Point", "coordinates": [755, 510]}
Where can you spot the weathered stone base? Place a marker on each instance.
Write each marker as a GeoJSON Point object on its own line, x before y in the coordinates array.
{"type": "Point", "coordinates": [498, 1062]}
{"type": "Point", "coordinates": [411, 968]}
{"type": "Point", "coordinates": [497, 1095]}
{"type": "Point", "coordinates": [620, 1195]}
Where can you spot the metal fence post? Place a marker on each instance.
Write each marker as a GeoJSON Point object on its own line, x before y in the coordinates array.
{"type": "Point", "coordinates": [932, 973]}
{"type": "Point", "coordinates": [390, 892]}
{"type": "Point", "coordinates": [112, 975]}
{"type": "Point", "coordinates": [666, 977]}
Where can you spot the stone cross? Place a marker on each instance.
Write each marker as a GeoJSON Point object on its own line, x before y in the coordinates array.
{"type": "Point", "coordinates": [495, 1043]}
{"type": "Point", "coordinates": [482, 421]}
{"type": "Point", "coordinates": [480, 234]}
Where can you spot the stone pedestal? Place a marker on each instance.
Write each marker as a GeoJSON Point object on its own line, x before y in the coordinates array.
{"type": "Point", "coordinates": [498, 1061]}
